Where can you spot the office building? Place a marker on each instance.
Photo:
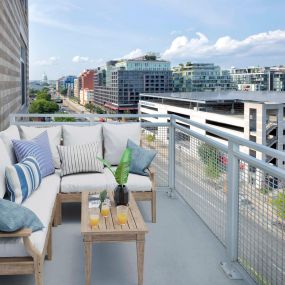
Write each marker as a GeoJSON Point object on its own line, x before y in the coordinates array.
{"type": "Point", "coordinates": [77, 87]}
{"type": "Point", "coordinates": [118, 84]}
{"type": "Point", "coordinates": [259, 78]}
{"type": "Point", "coordinates": [66, 83]}
{"type": "Point", "coordinates": [14, 58]}
{"type": "Point", "coordinates": [198, 77]}
{"type": "Point", "coordinates": [255, 116]}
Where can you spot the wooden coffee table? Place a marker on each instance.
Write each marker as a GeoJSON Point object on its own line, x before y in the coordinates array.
{"type": "Point", "coordinates": [110, 231]}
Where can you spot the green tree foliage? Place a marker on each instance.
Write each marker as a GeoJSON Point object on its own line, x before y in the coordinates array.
{"type": "Point", "coordinates": [90, 107]}
{"type": "Point", "coordinates": [43, 95]}
{"type": "Point", "coordinates": [64, 119]}
{"type": "Point", "coordinates": [210, 157]}
{"type": "Point", "coordinates": [279, 203]}
{"type": "Point", "coordinates": [63, 91]}
{"type": "Point", "coordinates": [98, 110]}
{"type": "Point", "coordinates": [42, 106]}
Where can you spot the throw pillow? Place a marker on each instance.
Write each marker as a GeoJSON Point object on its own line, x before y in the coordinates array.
{"type": "Point", "coordinates": [116, 137]}
{"type": "Point", "coordinates": [80, 159]}
{"type": "Point", "coordinates": [39, 148]}
{"type": "Point", "coordinates": [141, 158]}
{"type": "Point", "coordinates": [74, 135]}
{"type": "Point", "coordinates": [54, 137]}
{"type": "Point", "coordinates": [22, 179]}
{"type": "Point", "coordinates": [12, 133]}
{"type": "Point", "coordinates": [14, 217]}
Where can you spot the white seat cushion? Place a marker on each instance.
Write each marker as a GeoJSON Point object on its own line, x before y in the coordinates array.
{"type": "Point", "coordinates": [77, 183]}
{"type": "Point", "coordinates": [116, 137]}
{"type": "Point", "coordinates": [54, 136]}
{"type": "Point", "coordinates": [135, 183]}
{"type": "Point", "coordinates": [12, 133]}
{"type": "Point", "coordinates": [41, 202]}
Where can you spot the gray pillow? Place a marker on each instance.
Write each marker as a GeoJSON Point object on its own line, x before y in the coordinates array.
{"type": "Point", "coordinates": [141, 158]}
{"type": "Point", "coordinates": [14, 217]}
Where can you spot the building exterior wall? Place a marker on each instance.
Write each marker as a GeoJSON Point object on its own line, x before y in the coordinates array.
{"type": "Point", "coordinates": [14, 55]}
{"type": "Point", "coordinates": [198, 77]}
{"type": "Point", "coordinates": [117, 85]}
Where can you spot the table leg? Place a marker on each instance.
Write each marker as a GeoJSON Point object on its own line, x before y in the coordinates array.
{"type": "Point", "coordinates": [140, 258]}
{"type": "Point", "coordinates": [88, 261]}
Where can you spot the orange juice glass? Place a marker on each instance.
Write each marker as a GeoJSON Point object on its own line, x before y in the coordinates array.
{"type": "Point", "coordinates": [105, 210]}
{"type": "Point", "coordinates": [122, 215]}
{"type": "Point", "coordinates": [94, 217]}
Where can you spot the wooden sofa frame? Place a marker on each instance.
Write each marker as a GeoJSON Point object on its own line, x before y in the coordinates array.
{"type": "Point", "coordinates": [32, 264]}
{"type": "Point", "coordinates": [139, 196]}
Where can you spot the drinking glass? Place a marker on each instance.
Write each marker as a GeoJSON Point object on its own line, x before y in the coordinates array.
{"type": "Point", "coordinates": [94, 217]}
{"type": "Point", "coordinates": [105, 209]}
{"type": "Point", "coordinates": [122, 215]}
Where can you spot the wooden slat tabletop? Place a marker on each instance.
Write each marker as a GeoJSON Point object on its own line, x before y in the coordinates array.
{"type": "Point", "coordinates": [110, 225]}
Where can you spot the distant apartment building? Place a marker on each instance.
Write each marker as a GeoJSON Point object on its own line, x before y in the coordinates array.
{"type": "Point", "coordinates": [198, 77]}
{"type": "Point", "coordinates": [86, 86]}
{"type": "Point", "coordinates": [256, 116]}
{"type": "Point", "coordinates": [259, 78]}
{"type": "Point", "coordinates": [66, 82]}
{"type": "Point", "coordinates": [86, 96]}
{"type": "Point", "coordinates": [77, 87]}
{"type": "Point", "coordinates": [118, 84]}
{"type": "Point", "coordinates": [14, 58]}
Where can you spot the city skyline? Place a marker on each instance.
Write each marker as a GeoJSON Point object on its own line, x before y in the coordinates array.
{"type": "Point", "coordinates": [67, 36]}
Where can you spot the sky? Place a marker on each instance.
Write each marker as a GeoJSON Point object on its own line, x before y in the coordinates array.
{"type": "Point", "coordinates": [68, 36]}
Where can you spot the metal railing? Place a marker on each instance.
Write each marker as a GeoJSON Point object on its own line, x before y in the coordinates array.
{"type": "Point", "coordinates": [240, 198]}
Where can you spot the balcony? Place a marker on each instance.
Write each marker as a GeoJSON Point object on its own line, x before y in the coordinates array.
{"type": "Point", "coordinates": [219, 217]}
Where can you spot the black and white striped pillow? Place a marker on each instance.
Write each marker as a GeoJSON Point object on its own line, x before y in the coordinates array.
{"type": "Point", "coordinates": [80, 158]}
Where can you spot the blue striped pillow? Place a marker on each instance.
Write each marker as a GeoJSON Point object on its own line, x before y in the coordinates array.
{"type": "Point", "coordinates": [22, 179]}
{"type": "Point", "coordinates": [39, 148]}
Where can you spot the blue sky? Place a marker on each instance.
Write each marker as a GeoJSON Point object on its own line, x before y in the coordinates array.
{"type": "Point", "coordinates": [67, 36]}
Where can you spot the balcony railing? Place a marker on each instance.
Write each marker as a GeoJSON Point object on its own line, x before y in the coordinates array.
{"type": "Point", "coordinates": [240, 198]}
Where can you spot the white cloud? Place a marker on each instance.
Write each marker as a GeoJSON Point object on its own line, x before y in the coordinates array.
{"type": "Point", "coordinates": [200, 46]}
{"type": "Point", "coordinates": [78, 59]}
{"type": "Point", "coordinates": [53, 60]}
{"type": "Point", "coordinates": [133, 54]}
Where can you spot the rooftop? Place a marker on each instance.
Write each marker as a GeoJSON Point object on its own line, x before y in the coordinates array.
{"type": "Point", "coordinates": [222, 96]}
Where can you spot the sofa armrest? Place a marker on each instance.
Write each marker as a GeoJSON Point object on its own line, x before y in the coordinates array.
{"type": "Point", "coordinates": [17, 234]}
{"type": "Point", "coordinates": [152, 177]}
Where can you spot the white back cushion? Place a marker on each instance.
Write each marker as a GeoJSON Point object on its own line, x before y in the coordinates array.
{"type": "Point", "coordinates": [12, 133]}
{"type": "Point", "coordinates": [54, 136]}
{"type": "Point", "coordinates": [5, 160]}
{"type": "Point", "coordinates": [116, 137]}
{"type": "Point", "coordinates": [73, 135]}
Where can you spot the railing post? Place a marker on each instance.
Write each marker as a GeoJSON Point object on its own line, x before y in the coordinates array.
{"type": "Point", "coordinates": [232, 215]}
{"type": "Point", "coordinates": [171, 157]}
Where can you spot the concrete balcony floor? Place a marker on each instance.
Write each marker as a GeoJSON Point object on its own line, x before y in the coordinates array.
{"type": "Point", "coordinates": [180, 250]}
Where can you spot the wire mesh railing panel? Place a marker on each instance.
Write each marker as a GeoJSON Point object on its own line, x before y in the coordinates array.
{"type": "Point", "coordinates": [201, 180]}
{"type": "Point", "coordinates": [262, 226]}
{"type": "Point", "coordinates": [157, 138]}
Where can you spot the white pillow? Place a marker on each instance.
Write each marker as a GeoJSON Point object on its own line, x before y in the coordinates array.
{"type": "Point", "coordinates": [116, 137]}
{"type": "Point", "coordinates": [80, 158]}
{"type": "Point", "coordinates": [73, 135]}
{"type": "Point", "coordinates": [12, 133]}
{"type": "Point", "coordinates": [54, 136]}
{"type": "Point", "coordinates": [5, 160]}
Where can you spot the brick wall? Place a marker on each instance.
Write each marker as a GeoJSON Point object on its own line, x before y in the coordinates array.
{"type": "Point", "coordinates": [13, 36]}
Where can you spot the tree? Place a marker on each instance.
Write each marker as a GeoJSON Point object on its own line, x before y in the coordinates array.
{"type": "Point", "coordinates": [42, 106]}
{"type": "Point", "coordinates": [63, 91]}
{"type": "Point", "coordinates": [64, 119]}
{"type": "Point", "coordinates": [279, 203]}
{"type": "Point", "coordinates": [43, 95]}
{"type": "Point", "coordinates": [211, 158]}
{"type": "Point", "coordinates": [90, 106]}
{"type": "Point", "coordinates": [98, 110]}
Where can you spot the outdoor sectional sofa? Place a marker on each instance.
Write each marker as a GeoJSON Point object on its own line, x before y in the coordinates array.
{"type": "Point", "coordinates": [24, 251]}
